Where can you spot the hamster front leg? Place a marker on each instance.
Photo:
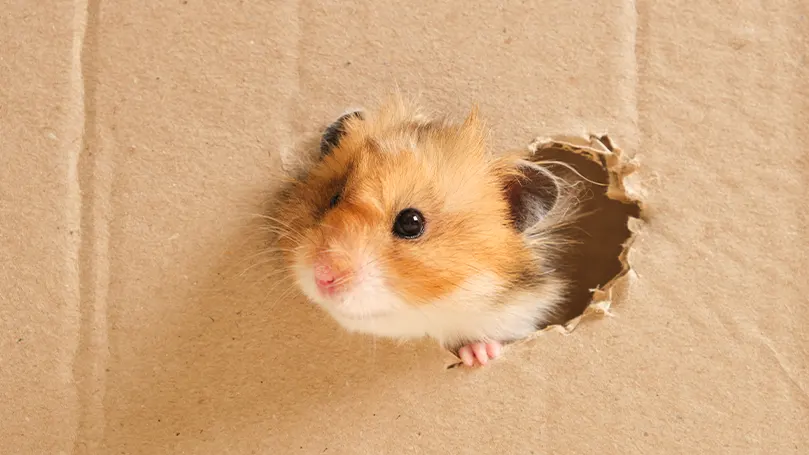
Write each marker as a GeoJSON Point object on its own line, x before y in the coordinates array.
{"type": "Point", "coordinates": [479, 353]}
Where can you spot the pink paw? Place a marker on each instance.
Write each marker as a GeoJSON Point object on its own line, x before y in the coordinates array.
{"type": "Point", "coordinates": [479, 353]}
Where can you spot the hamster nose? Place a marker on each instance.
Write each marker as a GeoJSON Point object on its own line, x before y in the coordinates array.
{"type": "Point", "coordinates": [329, 278]}
{"type": "Point", "coordinates": [324, 275]}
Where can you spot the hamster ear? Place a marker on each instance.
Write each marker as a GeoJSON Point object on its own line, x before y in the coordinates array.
{"type": "Point", "coordinates": [531, 192]}
{"type": "Point", "coordinates": [333, 133]}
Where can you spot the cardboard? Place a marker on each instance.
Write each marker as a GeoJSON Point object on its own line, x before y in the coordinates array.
{"type": "Point", "coordinates": [139, 142]}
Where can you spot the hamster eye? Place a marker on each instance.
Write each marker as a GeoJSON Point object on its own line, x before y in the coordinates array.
{"type": "Point", "coordinates": [409, 224]}
{"type": "Point", "coordinates": [334, 200]}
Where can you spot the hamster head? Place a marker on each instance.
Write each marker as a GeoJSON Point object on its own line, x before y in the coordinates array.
{"type": "Point", "coordinates": [405, 222]}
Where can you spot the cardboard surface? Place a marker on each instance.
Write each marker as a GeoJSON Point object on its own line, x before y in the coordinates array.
{"type": "Point", "coordinates": [139, 138]}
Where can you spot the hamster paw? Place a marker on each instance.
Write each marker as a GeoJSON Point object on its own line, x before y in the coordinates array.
{"type": "Point", "coordinates": [479, 353]}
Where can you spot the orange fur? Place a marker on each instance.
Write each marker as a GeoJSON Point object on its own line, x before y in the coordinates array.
{"type": "Point", "coordinates": [397, 158]}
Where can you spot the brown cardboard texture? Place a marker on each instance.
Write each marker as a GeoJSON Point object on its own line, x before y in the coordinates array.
{"type": "Point", "coordinates": [139, 142]}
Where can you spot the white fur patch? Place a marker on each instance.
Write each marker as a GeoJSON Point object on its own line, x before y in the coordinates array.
{"type": "Point", "coordinates": [467, 314]}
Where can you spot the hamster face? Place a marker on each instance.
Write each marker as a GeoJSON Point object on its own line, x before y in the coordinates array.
{"type": "Point", "coordinates": [405, 223]}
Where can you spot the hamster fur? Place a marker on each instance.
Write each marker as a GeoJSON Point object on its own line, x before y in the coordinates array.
{"type": "Point", "coordinates": [478, 270]}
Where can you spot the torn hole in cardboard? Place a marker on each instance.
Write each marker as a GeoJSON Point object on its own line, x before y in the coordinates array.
{"type": "Point", "coordinates": [597, 260]}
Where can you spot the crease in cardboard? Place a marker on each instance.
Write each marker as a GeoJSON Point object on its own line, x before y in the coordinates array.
{"type": "Point", "coordinates": [74, 211]}
{"type": "Point", "coordinates": [792, 376]}
{"type": "Point", "coordinates": [620, 187]}
{"type": "Point", "coordinates": [92, 236]}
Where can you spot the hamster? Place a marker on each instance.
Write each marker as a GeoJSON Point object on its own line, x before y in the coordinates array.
{"type": "Point", "coordinates": [408, 226]}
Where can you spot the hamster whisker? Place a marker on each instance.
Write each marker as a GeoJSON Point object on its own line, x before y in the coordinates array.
{"type": "Point", "coordinates": [276, 278]}
{"type": "Point", "coordinates": [284, 234]}
{"type": "Point", "coordinates": [279, 282]}
{"type": "Point", "coordinates": [259, 264]}
{"type": "Point", "coordinates": [280, 227]}
{"type": "Point", "coordinates": [289, 290]}
{"type": "Point", "coordinates": [269, 251]}
{"type": "Point", "coordinates": [273, 219]}
{"type": "Point", "coordinates": [571, 169]}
